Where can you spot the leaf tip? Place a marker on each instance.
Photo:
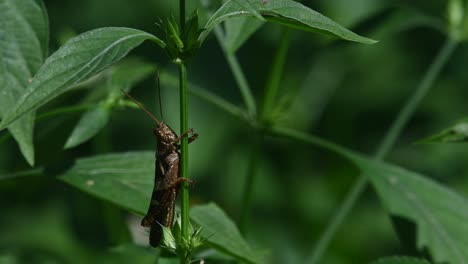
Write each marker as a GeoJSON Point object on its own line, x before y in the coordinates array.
{"type": "Point", "coordinates": [2, 126]}
{"type": "Point", "coordinates": [365, 40]}
{"type": "Point", "coordinates": [69, 144]}
{"type": "Point", "coordinates": [30, 159]}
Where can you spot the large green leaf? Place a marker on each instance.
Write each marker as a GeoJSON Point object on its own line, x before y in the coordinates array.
{"type": "Point", "coordinates": [286, 12]}
{"type": "Point", "coordinates": [400, 260]}
{"type": "Point", "coordinates": [88, 126]}
{"type": "Point", "coordinates": [78, 60]}
{"type": "Point", "coordinates": [23, 44]}
{"type": "Point", "coordinates": [441, 214]}
{"type": "Point", "coordinates": [125, 179]}
{"type": "Point", "coordinates": [222, 233]}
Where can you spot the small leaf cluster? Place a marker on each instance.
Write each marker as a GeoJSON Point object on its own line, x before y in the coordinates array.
{"type": "Point", "coordinates": [179, 245]}
{"type": "Point", "coordinates": [183, 44]}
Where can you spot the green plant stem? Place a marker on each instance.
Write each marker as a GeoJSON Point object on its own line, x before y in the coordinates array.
{"type": "Point", "coordinates": [236, 70]}
{"type": "Point", "coordinates": [271, 92]}
{"type": "Point", "coordinates": [246, 206]}
{"type": "Point", "coordinates": [65, 110]}
{"type": "Point", "coordinates": [387, 143]}
{"type": "Point", "coordinates": [184, 153]}
{"type": "Point", "coordinates": [310, 139]}
{"type": "Point", "coordinates": [239, 76]}
{"type": "Point", "coordinates": [25, 173]}
{"type": "Point", "coordinates": [274, 78]}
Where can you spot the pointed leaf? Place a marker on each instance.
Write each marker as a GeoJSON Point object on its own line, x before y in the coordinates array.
{"type": "Point", "coordinates": [125, 179]}
{"type": "Point", "coordinates": [400, 260]}
{"type": "Point", "coordinates": [441, 214]}
{"type": "Point", "coordinates": [285, 12]}
{"type": "Point", "coordinates": [456, 133]}
{"type": "Point", "coordinates": [23, 41]}
{"type": "Point", "coordinates": [222, 233]}
{"type": "Point", "coordinates": [88, 126]}
{"type": "Point", "coordinates": [78, 60]}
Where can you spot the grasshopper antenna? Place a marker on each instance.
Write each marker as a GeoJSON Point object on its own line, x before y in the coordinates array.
{"type": "Point", "coordinates": [141, 107]}
{"type": "Point", "coordinates": [159, 95]}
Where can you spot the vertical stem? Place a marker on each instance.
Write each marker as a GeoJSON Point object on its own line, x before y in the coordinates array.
{"type": "Point", "coordinates": [274, 78]}
{"type": "Point", "coordinates": [184, 147]}
{"type": "Point", "coordinates": [246, 206]}
{"type": "Point", "coordinates": [236, 70]}
{"type": "Point", "coordinates": [271, 92]}
{"type": "Point", "coordinates": [184, 258]}
{"type": "Point", "coordinates": [387, 143]}
{"type": "Point", "coordinates": [239, 76]}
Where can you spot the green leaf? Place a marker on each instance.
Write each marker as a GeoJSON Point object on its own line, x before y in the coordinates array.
{"type": "Point", "coordinates": [441, 214]}
{"type": "Point", "coordinates": [400, 260]}
{"type": "Point", "coordinates": [20, 174]}
{"type": "Point", "coordinates": [222, 233]}
{"type": "Point", "coordinates": [125, 179]}
{"type": "Point", "coordinates": [78, 60]}
{"type": "Point", "coordinates": [456, 133]}
{"type": "Point", "coordinates": [247, 5]}
{"type": "Point", "coordinates": [238, 30]}
{"type": "Point", "coordinates": [24, 43]}
{"type": "Point", "coordinates": [88, 126]}
{"type": "Point", "coordinates": [285, 12]}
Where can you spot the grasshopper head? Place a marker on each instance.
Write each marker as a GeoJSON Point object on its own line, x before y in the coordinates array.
{"type": "Point", "coordinates": [164, 134]}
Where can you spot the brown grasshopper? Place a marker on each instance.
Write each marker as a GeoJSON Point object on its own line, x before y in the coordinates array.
{"type": "Point", "coordinates": [166, 178]}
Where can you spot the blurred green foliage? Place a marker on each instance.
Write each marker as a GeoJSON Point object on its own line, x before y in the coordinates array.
{"type": "Point", "coordinates": [347, 93]}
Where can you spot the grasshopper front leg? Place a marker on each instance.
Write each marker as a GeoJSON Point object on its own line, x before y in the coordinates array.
{"type": "Point", "coordinates": [174, 184]}
{"type": "Point", "coordinates": [186, 134]}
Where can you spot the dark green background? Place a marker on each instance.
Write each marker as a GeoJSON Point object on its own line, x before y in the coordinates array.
{"type": "Point", "coordinates": [349, 93]}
